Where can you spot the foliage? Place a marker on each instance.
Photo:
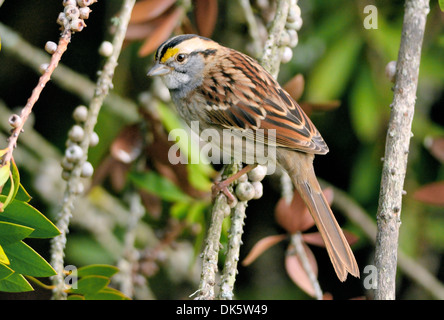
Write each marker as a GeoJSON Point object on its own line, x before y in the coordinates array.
{"type": "Point", "coordinates": [18, 221]}
{"type": "Point", "coordinates": [344, 89]}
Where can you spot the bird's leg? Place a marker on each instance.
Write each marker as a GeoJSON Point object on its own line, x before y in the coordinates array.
{"type": "Point", "coordinates": [222, 186]}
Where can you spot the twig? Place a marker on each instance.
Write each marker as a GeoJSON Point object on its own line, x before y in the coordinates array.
{"type": "Point", "coordinates": [66, 78]}
{"type": "Point", "coordinates": [104, 83]}
{"type": "Point", "coordinates": [397, 147]}
{"type": "Point", "coordinates": [127, 261]}
{"type": "Point", "coordinates": [271, 58]}
{"type": "Point", "coordinates": [43, 80]}
{"type": "Point", "coordinates": [253, 28]}
{"type": "Point", "coordinates": [297, 242]}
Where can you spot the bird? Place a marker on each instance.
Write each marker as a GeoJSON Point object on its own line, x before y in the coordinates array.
{"type": "Point", "coordinates": [224, 89]}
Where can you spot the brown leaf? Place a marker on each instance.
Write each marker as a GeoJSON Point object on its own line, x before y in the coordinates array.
{"type": "Point", "coordinates": [315, 238]}
{"type": "Point", "coordinates": [435, 147]}
{"type": "Point", "coordinates": [128, 144]}
{"type": "Point", "coordinates": [327, 296]}
{"type": "Point", "coordinates": [152, 203]}
{"type": "Point", "coordinates": [325, 106]}
{"type": "Point", "coordinates": [294, 216]}
{"type": "Point", "coordinates": [205, 13]}
{"type": "Point", "coordinates": [140, 31]}
{"type": "Point", "coordinates": [165, 27]}
{"type": "Point", "coordinates": [261, 246]}
{"type": "Point", "coordinates": [149, 9]}
{"type": "Point", "coordinates": [328, 194]}
{"type": "Point", "coordinates": [295, 86]}
{"type": "Point", "coordinates": [297, 273]}
{"type": "Point", "coordinates": [118, 175]}
{"type": "Point", "coordinates": [351, 237]}
{"type": "Point", "coordinates": [113, 169]}
{"type": "Point", "coordinates": [157, 149]}
{"type": "Point", "coordinates": [432, 193]}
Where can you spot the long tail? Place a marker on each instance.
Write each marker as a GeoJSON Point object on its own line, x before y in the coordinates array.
{"type": "Point", "coordinates": [300, 168]}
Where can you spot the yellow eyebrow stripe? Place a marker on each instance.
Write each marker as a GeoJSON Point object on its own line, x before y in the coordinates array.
{"type": "Point", "coordinates": [168, 54]}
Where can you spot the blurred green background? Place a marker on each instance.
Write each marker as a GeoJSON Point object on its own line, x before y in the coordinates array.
{"type": "Point", "coordinates": [340, 60]}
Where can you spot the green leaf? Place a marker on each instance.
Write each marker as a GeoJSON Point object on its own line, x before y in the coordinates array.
{"type": "Point", "coordinates": [22, 194]}
{"type": "Point", "coordinates": [90, 285]}
{"type": "Point", "coordinates": [15, 180]}
{"type": "Point", "coordinates": [3, 257]}
{"type": "Point", "coordinates": [5, 271]}
{"type": "Point", "coordinates": [364, 107]}
{"type": "Point", "coordinates": [76, 297]}
{"type": "Point", "coordinates": [441, 5]}
{"type": "Point", "coordinates": [4, 173]}
{"type": "Point", "coordinates": [196, 211]}
{"type": "Point", "coordinates": [181, 137]}
{"type": "Point", "coordinates": [198, 178]}
{"type": "Point", "coordinates": [21, 213]}
{"type": "Point", "coordinates": [23, 259]}
{"type": "Point", "coordinates": [15, 283]}
{"type": "Point", "coordinates": [331, 75]}
{"type": "Point", "coordinates": [107, 294]}
{"type": "Point", "coordinates": [179, 210]}
{"type": "Point", "coordinates": [97, 270]}
{"type": "Point", "coordinates": [11, 232]}
{"type": "Point", "coordinates": [83, 249]}
{"type": "Point", "coordinates": [159, 185]}
{"type": "Point", "coordinates": [11, 192]}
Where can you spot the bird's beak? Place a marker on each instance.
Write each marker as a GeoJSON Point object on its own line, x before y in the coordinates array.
{"type": "Point", "coordinates": [158, 70]}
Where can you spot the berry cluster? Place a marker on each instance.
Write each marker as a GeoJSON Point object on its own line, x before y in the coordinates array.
{"type": "Point", "coordinates": [289, 38]}
{"type": "Point", "coordinates": [74, 15]}
{"type": "Point", "coordinates": [74, 152]}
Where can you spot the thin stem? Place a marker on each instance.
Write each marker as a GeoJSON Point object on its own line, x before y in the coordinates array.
{"type": "Point", "coordinates": [66, 78]}
{"type": "Point", "coordinates": [43, 80]}
{"type": "Point", "coordinates": [104, 83]}
{"type": "Point", "coordinates": [253, 28]}
{"type": "Point", "coordinates": [271, 58]}
{"type": "Point", "coordinates": [298, 243]}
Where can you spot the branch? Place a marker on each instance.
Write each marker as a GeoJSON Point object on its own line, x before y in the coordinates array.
{"type": "Point", "coordinates": [297, 242]}
{"type": "Point", "coordinates": [211, 251]}
{"type": "Point", "coordinates": [235, 241]}
{"type": "Point", "coordinates": [397, 147]}
{"type": "Point", "coordinates": [271, 60]}
{"type": "Point", "coordinates": [104, 83]}
{"type": "Point", "coordinates": [64, 77]}
{"type": "Point", "coordinates": [27, 109]}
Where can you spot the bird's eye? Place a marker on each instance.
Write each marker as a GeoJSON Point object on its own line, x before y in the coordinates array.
{"type": "Point", "coordinates": [181, 57]}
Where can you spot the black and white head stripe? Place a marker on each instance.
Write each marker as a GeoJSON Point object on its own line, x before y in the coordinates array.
{"type": "Point", "coordinates": [173, 42]}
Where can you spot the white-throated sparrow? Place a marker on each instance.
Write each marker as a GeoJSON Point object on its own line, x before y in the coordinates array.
{"type": "Point", "coordinates": [222, 88]}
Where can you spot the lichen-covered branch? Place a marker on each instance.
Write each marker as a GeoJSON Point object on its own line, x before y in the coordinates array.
{"type": "Point", "coordinates": [270, 60]}
{"type": "Point", "coordinates": [397, 146]}
{"type": "Point", "coordinates": [211, 250]}
{"type": "Point", "coordinates": [104, 83]}
{"type": "Point", "coordinates": [235, 241]}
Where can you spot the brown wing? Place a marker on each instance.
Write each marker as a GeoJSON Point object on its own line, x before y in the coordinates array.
{"type": "Point", "coordinates": [242, 95]}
